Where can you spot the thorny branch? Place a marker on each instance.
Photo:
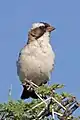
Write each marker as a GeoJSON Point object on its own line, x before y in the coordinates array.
{"type": "Point", "coordinates": [60, 105]}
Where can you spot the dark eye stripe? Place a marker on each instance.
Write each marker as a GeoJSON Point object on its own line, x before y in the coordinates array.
{"type": "Point", "coordinates": [42, 28]}
{"type": "Point", "coordinates": [38, 32]}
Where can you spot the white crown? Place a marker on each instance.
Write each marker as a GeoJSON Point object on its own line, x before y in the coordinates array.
{"type": "Point", "coordinates": [35, 25]}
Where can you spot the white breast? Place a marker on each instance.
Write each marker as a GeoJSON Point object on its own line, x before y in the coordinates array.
{"type": "Point", "coordinates": [36, 61]}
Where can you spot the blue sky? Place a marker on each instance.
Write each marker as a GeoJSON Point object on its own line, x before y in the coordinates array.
{"type": "Point", "coordinates": [16, 18]}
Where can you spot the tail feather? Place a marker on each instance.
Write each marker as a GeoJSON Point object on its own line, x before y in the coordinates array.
{"type": "Point", "coordinates": [28, 93]}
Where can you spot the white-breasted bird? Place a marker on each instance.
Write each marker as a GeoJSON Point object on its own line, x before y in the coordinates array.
{"type": "Point", "coordinates": [36, 58]}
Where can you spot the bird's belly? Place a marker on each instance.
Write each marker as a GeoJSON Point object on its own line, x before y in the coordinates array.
{"type": "Point", "coordinates": [36, 68]}
{"type": "Point", "coordinates": [36, 63]}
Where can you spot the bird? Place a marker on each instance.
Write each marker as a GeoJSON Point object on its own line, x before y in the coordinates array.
{"type": "Point", "coordinates": [36, 59]}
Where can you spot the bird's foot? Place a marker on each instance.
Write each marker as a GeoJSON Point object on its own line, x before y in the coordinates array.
{"type": "Point", "coordinates": [29, 83]}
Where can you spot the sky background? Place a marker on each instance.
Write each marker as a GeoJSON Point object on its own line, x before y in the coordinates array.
{"type": "Point", "coordinates": [16, 18]}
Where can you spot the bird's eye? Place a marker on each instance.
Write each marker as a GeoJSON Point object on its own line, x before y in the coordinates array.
{"type": "Point", "coordinates": [42, 27]}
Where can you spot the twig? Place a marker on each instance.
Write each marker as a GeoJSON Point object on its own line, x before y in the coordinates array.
{"type": "Point", "coordinates": [41, 99]}
{"type": "Point", "coordinates": [57, 113]}
{"type": "Point", "coordinates": [53, 114]}
{"type": "Point", "coordinates": [39, 104]}
{"type": "Point", "coordinates": [58, 103]}
{"type": "Point", "coordinates": [10, 92]}
{"type": "Point", "coordinates": [45, 111]}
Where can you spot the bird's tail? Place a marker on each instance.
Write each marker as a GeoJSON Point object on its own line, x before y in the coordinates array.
{"type": "Point", "coordinates": [28, 93]}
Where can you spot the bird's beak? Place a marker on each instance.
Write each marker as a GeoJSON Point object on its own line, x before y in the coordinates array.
{"type": "Point", "coordinates": [50, 28]}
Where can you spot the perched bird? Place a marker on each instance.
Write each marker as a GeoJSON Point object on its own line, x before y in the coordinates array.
{"type": "Point", "coordinates": [36, 58]}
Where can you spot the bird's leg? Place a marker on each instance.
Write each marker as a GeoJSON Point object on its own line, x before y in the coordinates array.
{"type": "Point", "coordinates": [30, 85]}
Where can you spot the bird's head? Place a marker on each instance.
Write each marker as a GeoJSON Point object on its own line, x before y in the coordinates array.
{"type": "Point", "coordinates": [38, 30]}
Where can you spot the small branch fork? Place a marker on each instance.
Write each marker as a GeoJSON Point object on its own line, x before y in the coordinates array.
{"type": "Point", "coordinates": [65, 105]}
